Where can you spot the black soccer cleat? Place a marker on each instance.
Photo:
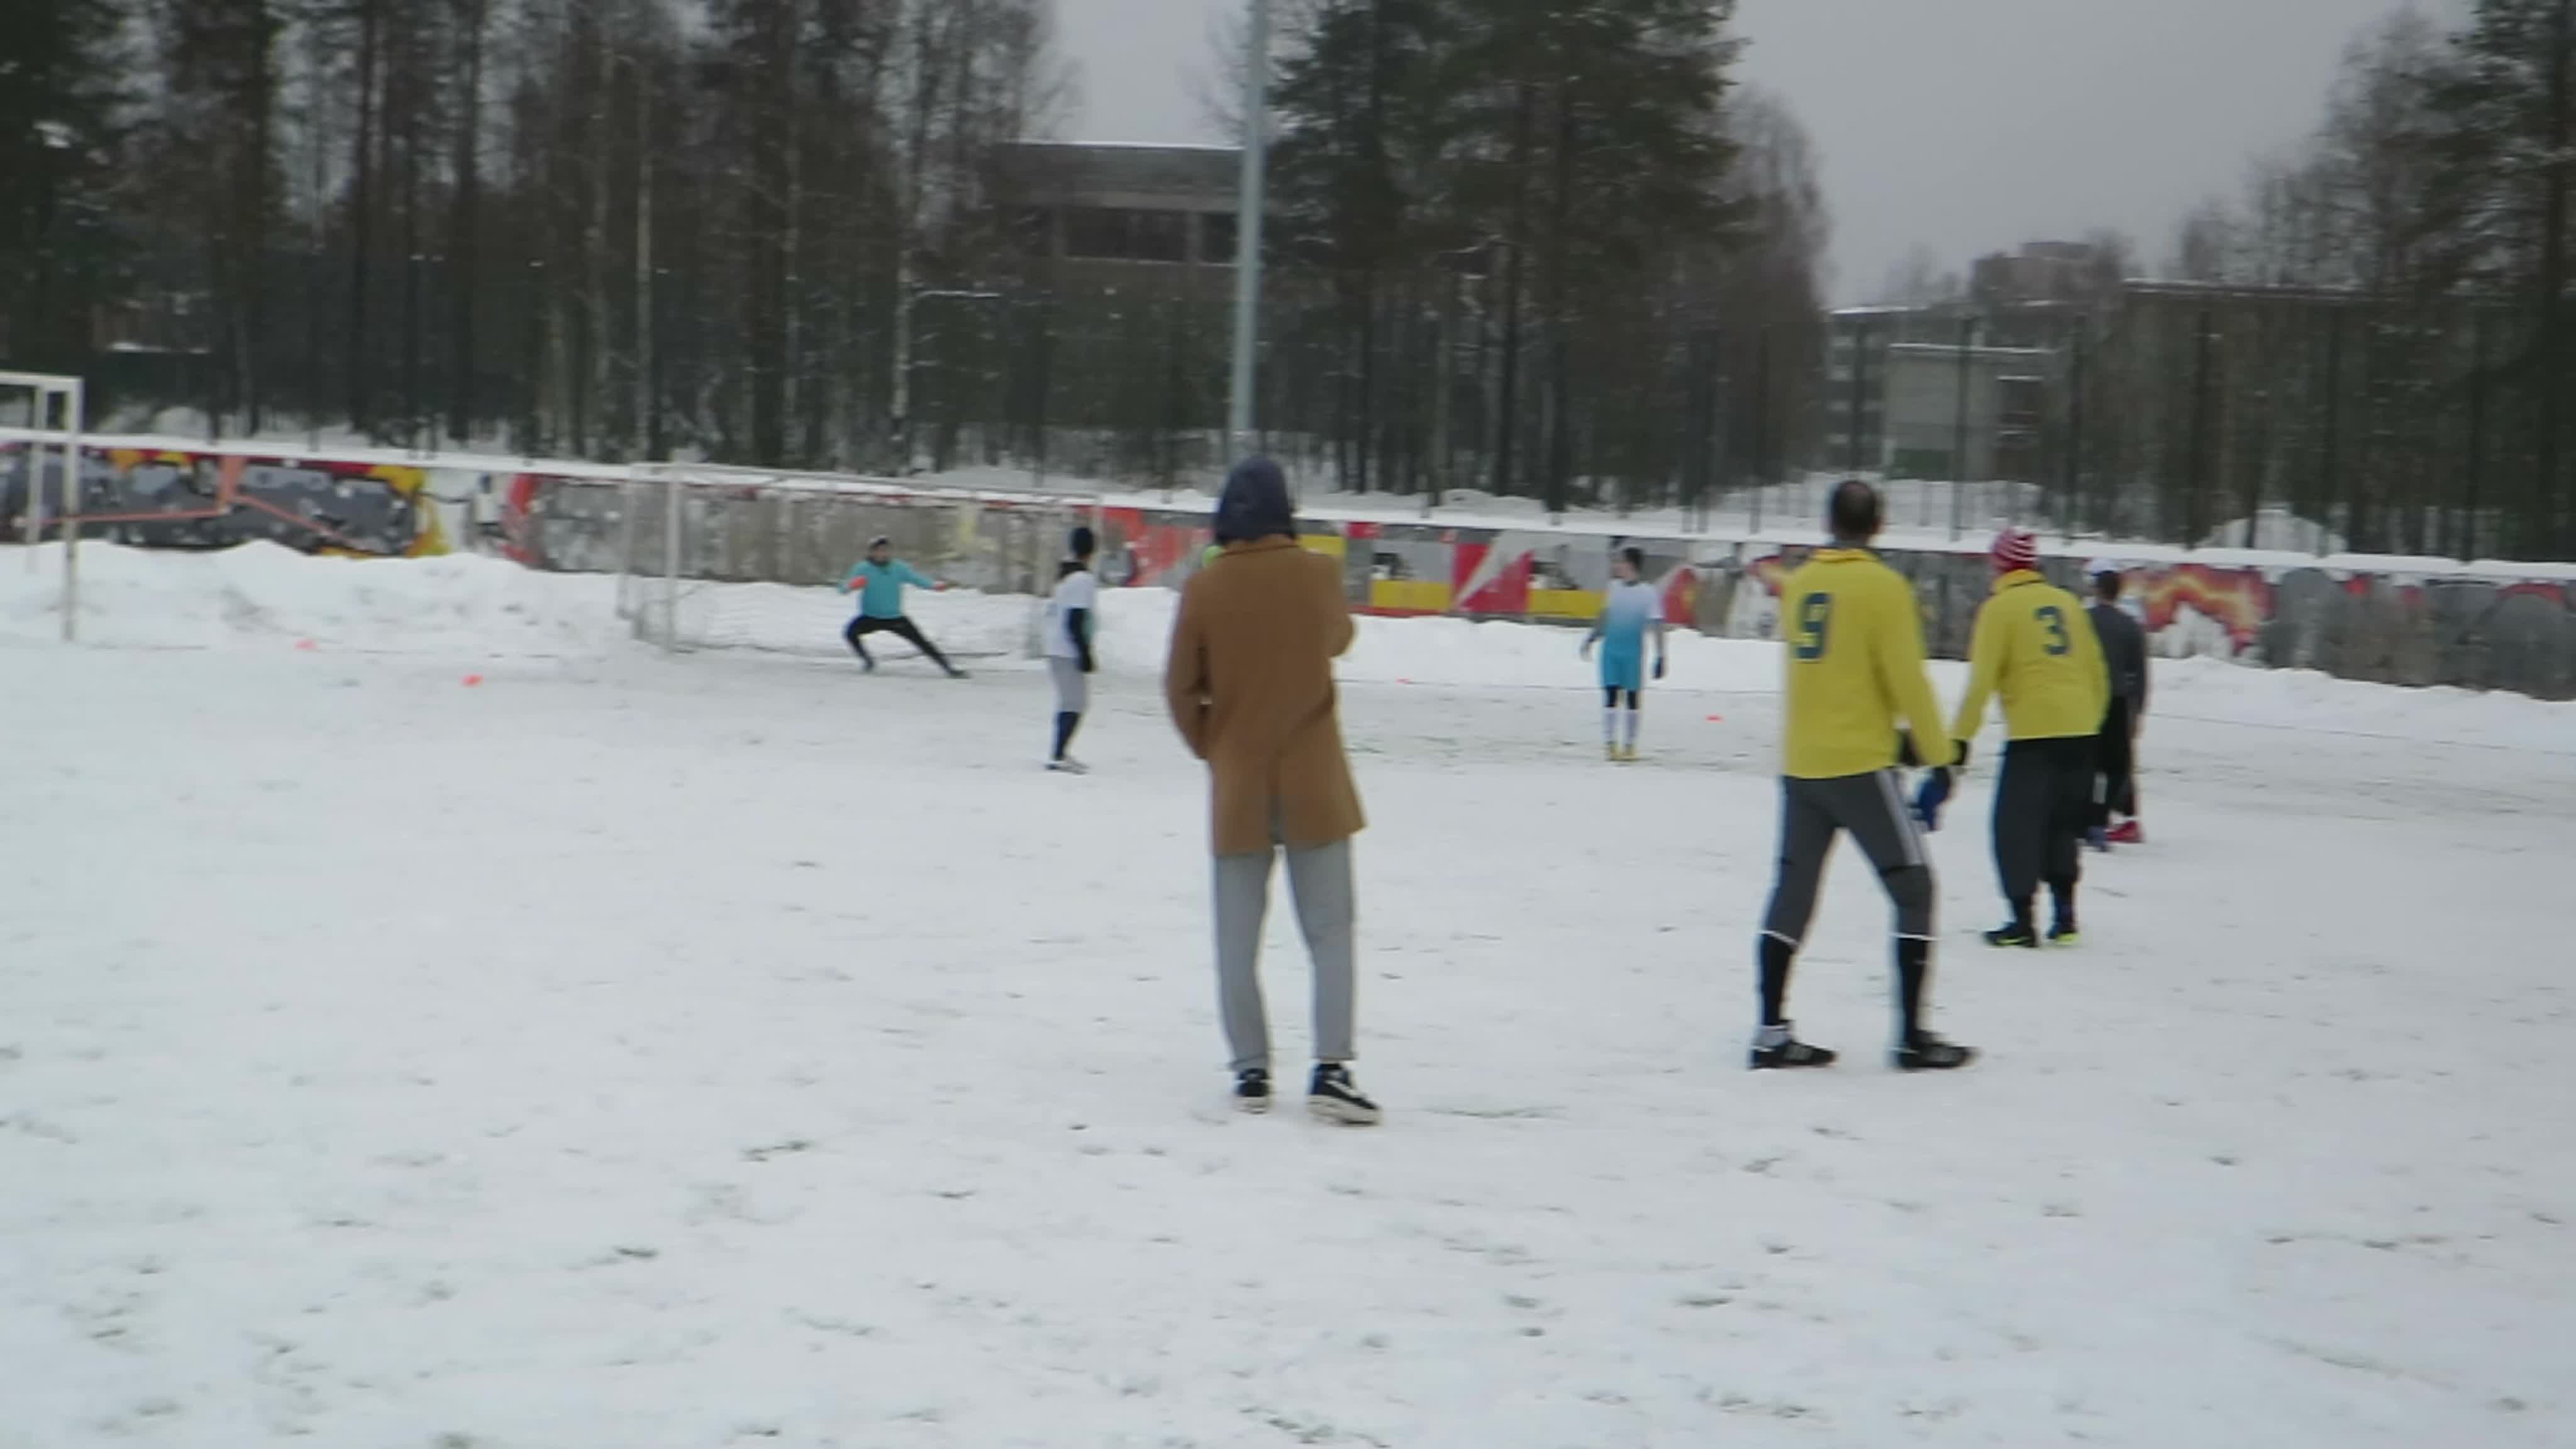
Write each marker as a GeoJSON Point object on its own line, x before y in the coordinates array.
{"type": "Point", "coordinates": [1334, 1097]}
{"type": "Point", "coordinates": [2064, 934]}
{"type": "Point", "coordinates": [1252, 1090]}
{"type": "Point", "coordinates": [1787, 1052]}
{"type": "Point", "coordinates": [2017, 933]}
{"type": "Point", "coordinates": [1924, 1052]}
{"type": "Point", "coordinates": [1790, 1054]}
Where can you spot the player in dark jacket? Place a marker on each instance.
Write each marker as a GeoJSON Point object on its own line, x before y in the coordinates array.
{"type": "Point", "coordinates": [2124, 650]}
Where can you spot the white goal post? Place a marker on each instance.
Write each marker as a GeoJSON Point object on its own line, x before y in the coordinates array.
{"type": "Point", "coordinates": [737, 558]}
{"type": "Point", "coordinates": [54, 422]}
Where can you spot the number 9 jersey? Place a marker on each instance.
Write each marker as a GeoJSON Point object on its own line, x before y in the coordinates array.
{"type": "Point", "coordinates": [1852, 640]}
{"type": "Point", "coordinates": [2035, 646]}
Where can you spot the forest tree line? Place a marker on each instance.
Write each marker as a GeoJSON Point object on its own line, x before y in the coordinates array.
{"type": "Point", "coordinates": [610, 228]}
{"type": "Point", "coordinates": [2384, 338]}
{"type": "Point", "coordinates": [1511, 244]}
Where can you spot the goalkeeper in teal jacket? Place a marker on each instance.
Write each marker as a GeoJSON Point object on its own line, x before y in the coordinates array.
{"type": "Point", "coordinates": [879, 580]}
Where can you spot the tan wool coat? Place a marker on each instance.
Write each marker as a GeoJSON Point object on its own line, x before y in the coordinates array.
{"type": "Point", "coordinates": [1250, 684]}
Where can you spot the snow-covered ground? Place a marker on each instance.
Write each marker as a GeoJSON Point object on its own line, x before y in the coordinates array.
{"type": "Point", "coordinates": [621, 1051]}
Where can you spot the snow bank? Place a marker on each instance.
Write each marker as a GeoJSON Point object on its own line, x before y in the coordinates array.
{"type": "Point", "coordinates": [467, 607]}
{"type": "Point", "coordinates": [262, 593]}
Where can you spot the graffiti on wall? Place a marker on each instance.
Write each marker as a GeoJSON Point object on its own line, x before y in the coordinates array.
{"type": "Point", "coordinates": [2475, 630]}
{"type": "Point", "coordinates": [162, 498]}
{"type": "Point", "coordinates": [2195, 600]}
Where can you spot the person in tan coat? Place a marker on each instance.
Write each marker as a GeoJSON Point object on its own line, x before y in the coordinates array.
{"type": "Point", "coordinates": [1250, 685]}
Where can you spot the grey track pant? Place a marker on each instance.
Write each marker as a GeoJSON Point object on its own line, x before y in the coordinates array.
{"type": "Point", "coordinates": [1072, 686]}
{"type": "Point", "coordinates": [1320, 879]}
{"type": "Point", "coordinates": [1872, 808]}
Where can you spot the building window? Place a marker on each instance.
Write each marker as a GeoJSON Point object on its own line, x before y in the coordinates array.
{"type": "Point", "coordinates": [1033, 230]}
{"type": "Point", "coordinates": [1218, 237]}
{"type": "Point", "coordinates": [1112, 234]}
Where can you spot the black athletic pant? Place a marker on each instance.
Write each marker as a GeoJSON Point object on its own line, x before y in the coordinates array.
{"type": "Point", "coordinates": [2115, 766]}
{"type": "Point", "coordinates": [1812, 813]}
{"type": "Point", "coordinates": [2042, 805]}
{"type": "Point", "coordinates": [901, 628]}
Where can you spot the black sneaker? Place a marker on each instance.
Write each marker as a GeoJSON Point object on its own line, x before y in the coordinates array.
{"type": "Point", "coordinates": [2016, 934]}
{"type": "Point", "coordinates": [1335, 1098]}
{"type": "Point", "coordinates": [1252, 1090]}
{"type": "Point", "coordinates": [1788, 1051]}
{"type": "Point", "coordinates": [1924, 1052]}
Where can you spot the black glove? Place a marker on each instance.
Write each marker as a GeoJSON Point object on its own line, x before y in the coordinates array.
{"type": "Point", "coordinates": [1907, 756]}
{"type": "Point", "coordinates": [1659, 666]}
{"type": "Point", "coordinates": [1961, 762]}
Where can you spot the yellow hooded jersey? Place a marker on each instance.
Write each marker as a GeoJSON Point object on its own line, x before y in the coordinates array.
{"type": "Point", "coordinates": [2035, 646]}
{"type": "Point", "coordinates": [1851, 634]}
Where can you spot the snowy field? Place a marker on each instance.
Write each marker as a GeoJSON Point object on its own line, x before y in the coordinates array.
{"type": "Point", "coordinates": [617, 1052]}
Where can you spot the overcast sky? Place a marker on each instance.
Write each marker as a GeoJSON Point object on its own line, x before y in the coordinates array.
{"type": "Point", "coordinates": [1965, 125]}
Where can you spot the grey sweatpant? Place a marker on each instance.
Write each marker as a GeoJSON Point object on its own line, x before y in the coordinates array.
{"type": "Point", "coordinates": [1872, 808]}
{"type": "Point", "coordinates": [1320, 879]}
{"type": "Point", "coordinates": [1072, 686]}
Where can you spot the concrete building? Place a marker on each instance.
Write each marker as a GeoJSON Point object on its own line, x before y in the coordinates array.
{"type": "Point", "coordinates": [1894, 374]}
{"type": "Point", "coordinates": [2003, 394]}
{"type": "Point", "coordinates": [1103, 208]}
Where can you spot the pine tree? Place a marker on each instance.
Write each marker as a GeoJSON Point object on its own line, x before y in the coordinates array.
{"type": "Point", "coordinates": [61, 150]}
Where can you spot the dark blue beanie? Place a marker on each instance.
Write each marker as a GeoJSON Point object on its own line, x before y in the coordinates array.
{"type": "Point", "coordinates": [1255, 504]}
{"type": "Point", "coordinates": [1083, 543]}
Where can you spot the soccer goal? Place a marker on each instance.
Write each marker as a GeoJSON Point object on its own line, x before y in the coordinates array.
{"type": "Point", "coordinates": [40, 459]}
{"type": "Point", "coordinates": [731, 558]}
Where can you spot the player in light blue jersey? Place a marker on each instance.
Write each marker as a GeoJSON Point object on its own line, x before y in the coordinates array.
{"type": "Point", "coordinates": [1628, 612]}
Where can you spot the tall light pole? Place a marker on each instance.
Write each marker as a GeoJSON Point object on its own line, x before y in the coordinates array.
{"type": "Point", "coordinates": [1239, 421]}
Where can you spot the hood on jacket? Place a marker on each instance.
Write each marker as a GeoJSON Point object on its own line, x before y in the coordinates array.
{"type": "Point", "coordinates": [1255, 504]}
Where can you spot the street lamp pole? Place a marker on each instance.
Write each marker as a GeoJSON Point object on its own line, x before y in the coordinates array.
{"type": "Point", "coordinates": [1240, 435]}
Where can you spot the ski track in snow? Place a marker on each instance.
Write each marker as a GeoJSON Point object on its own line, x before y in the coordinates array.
{"type": "Point", "coordinates": [631, 1053]}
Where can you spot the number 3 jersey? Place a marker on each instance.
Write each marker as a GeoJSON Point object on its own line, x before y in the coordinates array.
{"type": "Point", "coordinates": [1852, 640]}
{"type": "Point", "coordinates": [2036, 648]}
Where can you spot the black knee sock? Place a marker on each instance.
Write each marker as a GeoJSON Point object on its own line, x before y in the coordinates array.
{"type": "Point", "coordinates": [2061, 895]}
{"type": "Point", "coordinates": [2021, 911]}
{"type": "Point", "coordinates": [1913, 969]}
{"type": "Point", "coordinates": [1066, 722]}
{"type": "Point", "coordinates": [1776, 955]}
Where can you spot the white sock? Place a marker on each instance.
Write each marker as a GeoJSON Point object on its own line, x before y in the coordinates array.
{"type": "Point", "coordinates": [1631, 725]}
{"type": "Point", "coordinates": [1610, 725]}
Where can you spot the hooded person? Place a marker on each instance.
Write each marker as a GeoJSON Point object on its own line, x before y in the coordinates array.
{"type": "Point", "coordinates": [1250, 688]}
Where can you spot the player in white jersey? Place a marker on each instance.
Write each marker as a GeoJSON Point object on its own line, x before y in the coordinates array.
{"type": "Point", "coordinates": [1628, 612]}
{"type": "Point", "coordinates": [1068, 646]}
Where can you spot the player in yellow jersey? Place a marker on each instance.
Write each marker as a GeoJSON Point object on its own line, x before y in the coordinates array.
{"type": "Point", "coordinates": [2035, 648]}
{"type": "Point", "coordinates": [1852, 644]}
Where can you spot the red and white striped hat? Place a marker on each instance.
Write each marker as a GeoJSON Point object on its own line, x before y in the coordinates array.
{"type": "Point", "coordinates": [2016, 548]}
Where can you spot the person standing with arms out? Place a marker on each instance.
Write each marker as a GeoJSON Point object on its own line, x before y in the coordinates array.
{"type": "Point", "coordinates": [1852, 638]}
{"type": "Point", "coordinates": [1250, 687]}
{"type": "Point", "coordinates": [2034, 646]}
{"type": "Point", "coordinates": [879, 580]}
{"type": "Point", "coordinates": [1068, 646]}
{"type": "Point", "coordinates": [2115, 759]}
{"type": "Point", "coordinates": [1631, 607]}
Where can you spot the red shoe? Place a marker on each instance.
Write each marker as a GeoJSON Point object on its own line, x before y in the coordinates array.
{"type": "Point", "coordinates": [2126, 833]}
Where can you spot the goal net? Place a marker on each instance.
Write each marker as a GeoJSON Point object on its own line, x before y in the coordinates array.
{"type": "Point", "coordinates": [41, 478]}
{"type": "Point", "coordinates": [721, 558]}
